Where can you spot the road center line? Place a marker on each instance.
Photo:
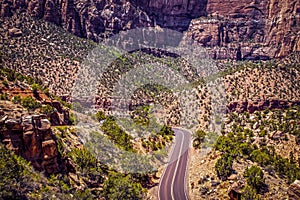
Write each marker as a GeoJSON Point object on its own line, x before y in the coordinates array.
{"type": "Point", "coordinates": [177, 162]}
{"type": "Point", "coordinates": [169, 160]}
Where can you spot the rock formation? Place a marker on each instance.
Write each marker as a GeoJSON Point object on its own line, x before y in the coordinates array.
{"type": "Point", "coordinates": [91, 19]}
{"type": "Point", "coordinates": [294, 190]}
{"type": "Point", "coordinates": [249, 29]}
{"type": "Point", "coordinates": [32, 139]}
{"type": "Point", "coordinates": [60, 116]}
{"type": "Point", "coordinates": [238, 29]}
{"type": "Point", "coordinates": [251, 107]}
{"type": "Point", "coordinates": [173, 14]}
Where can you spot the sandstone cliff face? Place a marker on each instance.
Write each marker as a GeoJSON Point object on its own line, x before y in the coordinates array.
{"type": "Point", "coordinates": [237, 29]}
{"type": "Point", "coordinates": [174, 14]}
{"type": "Point", "coordinates": [32, 139]}
{"type": "Point", "coordinates": [85, 18]}
{"type": "Point", "coordinates": [249, 29]}
{"type": "Point", "coordinates": [284, 27]}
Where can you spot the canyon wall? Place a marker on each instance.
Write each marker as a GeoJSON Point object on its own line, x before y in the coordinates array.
{"type": "Point", "coordinates": [92, 19]}
{"type": "Point", "coordinates": [249, 29]}
{"type": "Point", "coordinates": [237, 29]}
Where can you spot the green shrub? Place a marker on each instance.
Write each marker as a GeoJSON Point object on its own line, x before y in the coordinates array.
{"type": "Point", "coordinates": [73, 119]}
{"type": "Point", "coordinates": [46, 91]}
{"type": "Point", "coordinates": [261, 157]}
{"type": "Point", "coordinates": [286, 169]}
{"type": "Point", "coordinates": [263, 133]}
{"type": "Point", "coordinates": [121, 187]}
{"type": "Point", "coordinates": [249, 194]}
{"type": "Point", "coordinates": [11, 75]}
{"type": "Point", "coordinates": [225, 144]}
{"type": "Point", "coordinates": [17, 99]}
{"type": "Point", "coordinates": [255, 177]}
{"type": "Point", "coordinates": [140, 114]}
{"type": "Point", "coordinates": [14, 172]}
{"type": "Point", "coordinates": [30, 103]}
{"type": "Point", "coordinates": [35, 88]}
{"type": "Point", "coordinates": [5, 83]}
{"type": "Point", "coordinates": [4, 96]}
{"type": "Point", "coordinates": [116, 134]}
{"type": "Point", "coordinates": [166, 130]}
{"type": "Point", "coordinates": [246, 149]}
{"type": "Point", "coordinates": [100, 115]}
{"type": "Point", "coordinates": [223, 166]}
{"type": "Point", "coordinates": [87, 164]}
{"type": "Point", "coordinates": [199, 136]}
{"type": "Point", "coordinates": [47, 109]}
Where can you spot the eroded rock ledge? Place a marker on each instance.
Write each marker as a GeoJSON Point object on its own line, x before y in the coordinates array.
{"type": "Point", "coordinates": [252, 106]}
{"type": "Point", "coordinates": [31, 137]}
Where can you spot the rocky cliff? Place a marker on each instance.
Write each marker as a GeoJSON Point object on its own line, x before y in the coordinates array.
{"type": "Point", "coordinates": [238, 29]}
{"type": "Point", "coordinates": [32, 139]}
{"type": "Point", "coordinates": [251, 107]}
{"type": "Point", "coordinates": [249, 29]}
{"type": "Point", "coordinates": [85, 18]}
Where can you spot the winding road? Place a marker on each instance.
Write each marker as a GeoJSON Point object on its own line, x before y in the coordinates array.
{"type": "Point", "coordinates": [172, 185]}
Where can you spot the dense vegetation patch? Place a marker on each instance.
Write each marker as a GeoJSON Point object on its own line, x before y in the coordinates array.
{"type": "Point", "coordinates": [236, 146]}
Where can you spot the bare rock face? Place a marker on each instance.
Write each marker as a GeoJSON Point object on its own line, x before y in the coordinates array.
{"type": "Point", "coordinates": [235, 191]}
{"type": "Point", "coordinates": [174, 14]}
{"type": "Point", "coordinates": [294, 190]}
{"type": "Point", "coordinates": [32, 139]}
{"type": "Point", "coordinates": [236, 29]}
{"type": "Point", "coordinates": [248, 29]}
{"type": "Point", "coordinates": [60, 116]}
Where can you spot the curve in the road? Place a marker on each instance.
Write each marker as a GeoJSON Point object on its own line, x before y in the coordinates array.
{"type": "Point", "coordinates": [172, 185]}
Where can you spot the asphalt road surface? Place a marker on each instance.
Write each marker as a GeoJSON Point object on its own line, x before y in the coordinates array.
{"type": "Point", "coordinates": [172, 185]}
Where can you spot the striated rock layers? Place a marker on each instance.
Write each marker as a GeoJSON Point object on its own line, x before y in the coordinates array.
{"type": "Point", "coordinates": [236, 29]}
{"type": "Point", "coordinates": [32, 139]}
{"type": "Point", "coordinates": [251, 107]}
{"type": "Point", "coordinates": [249, 29]}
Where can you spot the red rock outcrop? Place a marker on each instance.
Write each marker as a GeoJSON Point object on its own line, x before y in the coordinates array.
{"type": "Point", "coordinates": [32, 139]}
{"type": "Point", "coordinates": [60, 116]}
{"type": "Point", "coordinates": [251, 107]}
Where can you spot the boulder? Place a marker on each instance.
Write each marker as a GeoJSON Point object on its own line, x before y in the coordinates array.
{"type": "Point", "coordinates": [14, 32]}
{"type": "Point", "coordinates": [235, 191]}
{"type": "Point", "coordinates": [237, 29]}
{"type": "Point", "coordinates": [294, 191]}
